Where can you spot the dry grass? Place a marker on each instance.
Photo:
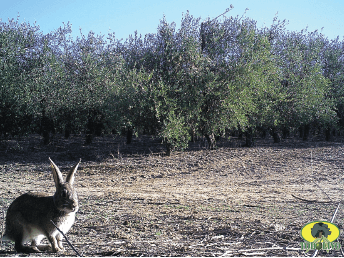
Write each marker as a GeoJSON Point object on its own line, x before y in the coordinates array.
{"type": "Point", "coordinates": [135, 201]}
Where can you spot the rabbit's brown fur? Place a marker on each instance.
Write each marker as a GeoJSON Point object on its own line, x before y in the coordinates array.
{"type": "Point", "coordinates": [28, 217]}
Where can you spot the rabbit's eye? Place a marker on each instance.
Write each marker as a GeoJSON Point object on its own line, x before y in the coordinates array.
{"type": "Point", "coordinates": [64, 193]}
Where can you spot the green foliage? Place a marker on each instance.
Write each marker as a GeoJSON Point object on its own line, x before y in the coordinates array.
{"type": "Point", "coordinates": [17, 61]}
{"type": "Point", "coordinates": [205, 78]}
{"type": "Point", "coordinates": [175, 132]}
{"type": "Point", "coordinates": [307, 90]}
{"type": "Point", "coordinates": [256, 82]}
{"type": "Point", "coordinates": [132, 102]}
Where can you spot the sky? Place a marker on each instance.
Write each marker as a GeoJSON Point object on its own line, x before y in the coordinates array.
{"type": "Point", "coordinates": [126, 16]}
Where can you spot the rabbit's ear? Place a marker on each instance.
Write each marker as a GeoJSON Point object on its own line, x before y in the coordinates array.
{"type": "Point", "coordinates": [56, 174]}
{"type": "Point", "coordinates": [70, 176]}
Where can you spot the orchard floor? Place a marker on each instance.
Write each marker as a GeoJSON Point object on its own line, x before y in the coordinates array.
{"type": "Point", "coordinates": [134, 201]}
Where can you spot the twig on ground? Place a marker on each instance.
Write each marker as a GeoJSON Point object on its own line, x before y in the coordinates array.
{"type": "Point", "coordinates": [3, 228]}
{"type": "Point", "coordinates": [232, 252]}
{"type": "Point", "coordinates": [305, 200]}
{"type": "Point", "coordinates": [66, 239]}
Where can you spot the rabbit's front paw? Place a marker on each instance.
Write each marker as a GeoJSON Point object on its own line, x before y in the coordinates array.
{"type": "Point", "coordinates": [58, 249]}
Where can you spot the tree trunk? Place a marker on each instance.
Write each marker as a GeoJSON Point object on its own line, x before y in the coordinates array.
{"type": "Point", "coordinates": [168, 149]}
{"type": "Point", "coordinates": [89, 132]}
{"type": "Point", "coordinates": [98, 127]}
{"type": "Point", "coordinates": [129, 135]}
{"type": "Point", "coordinates": [89, 138]}
{"type": "Point", "coordinates": [301, 131]}
{"type": "Point", "coordinates": [211, 141]}
{"type": "Point", "coordinates": [192, 134]}
{"type": "Point", "coordinates": [68, 130]}
{"type": "Point", "coordinates": [306, 131]}
{"type": "Point", "coordinates": [285, 132]}
{"type": "Point", "coordinates": [66, 133]}
{"type": "Point", "coordinates": [275, 135]}
{"type": "Point", "coordinates": [46, 137]}
{"type": "Point", "coordinates": [249, 138]}
{"type": "Point", "coordinates": [240, 135]}
{"type": "Point", "coordinates": [329, 134]}
{"type": "Point", "coordinates": [45, 128]}
{"type": "Point", "coordinates": [263, 135]}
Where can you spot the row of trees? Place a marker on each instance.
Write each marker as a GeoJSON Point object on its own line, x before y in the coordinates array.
{"type": "Point", "coordinates": [206, 79]}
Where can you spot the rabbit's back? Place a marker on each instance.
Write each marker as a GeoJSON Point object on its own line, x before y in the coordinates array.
{"type": "Point", "coordinates": [33, 211]}
{"type": "Point", "coordinates": [32, 205]}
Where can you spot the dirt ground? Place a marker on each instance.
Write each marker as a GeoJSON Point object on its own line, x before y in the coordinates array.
{"type": "Point", "coordinates": [134, 201]}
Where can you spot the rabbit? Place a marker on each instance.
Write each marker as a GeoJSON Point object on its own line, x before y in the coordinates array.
{"type": "Point", "coordinates": [28, 217]}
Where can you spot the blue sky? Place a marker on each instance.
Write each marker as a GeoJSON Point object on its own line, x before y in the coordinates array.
{"type": "Point", "coordinates": [124, 17]}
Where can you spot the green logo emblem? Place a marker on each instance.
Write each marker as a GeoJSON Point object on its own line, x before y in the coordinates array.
{"type": "Point", "coordinates": [320, 235]}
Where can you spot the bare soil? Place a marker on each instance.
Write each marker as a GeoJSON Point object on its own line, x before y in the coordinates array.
{"type": "Point", "coordinates": [135, 201]}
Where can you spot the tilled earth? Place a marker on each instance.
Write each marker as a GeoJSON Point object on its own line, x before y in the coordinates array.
{"type": "Point", "coordinates": [134, 201]}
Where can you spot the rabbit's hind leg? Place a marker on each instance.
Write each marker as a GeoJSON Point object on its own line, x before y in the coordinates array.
{"type": "Point", "coordinates": [19, 234]}
{"type": "Point", "coordinates": [21, 248]}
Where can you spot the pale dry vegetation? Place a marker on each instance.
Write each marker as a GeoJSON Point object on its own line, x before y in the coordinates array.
{"type": "Point", "coordinates": [134, 201]}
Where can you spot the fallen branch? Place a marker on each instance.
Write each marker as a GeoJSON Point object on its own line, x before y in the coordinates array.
{"type": "Point", "coordinates": [77, 253]}
{"type": "Point", "coordinates": [254, 254]}
{"type": "Point", "coordinates": [306, 200]}
{"type": "Point", "coordinates": [3, 228]}
{"type": "Point", "coordinates": [245, 251]}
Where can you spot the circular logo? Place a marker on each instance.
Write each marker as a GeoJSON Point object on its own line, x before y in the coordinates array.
{"type": "Point", "coordinates": [318, 229]}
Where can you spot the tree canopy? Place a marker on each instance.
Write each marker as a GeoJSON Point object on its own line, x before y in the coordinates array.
{"type": "Point", "coordinates": [207, 78]}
